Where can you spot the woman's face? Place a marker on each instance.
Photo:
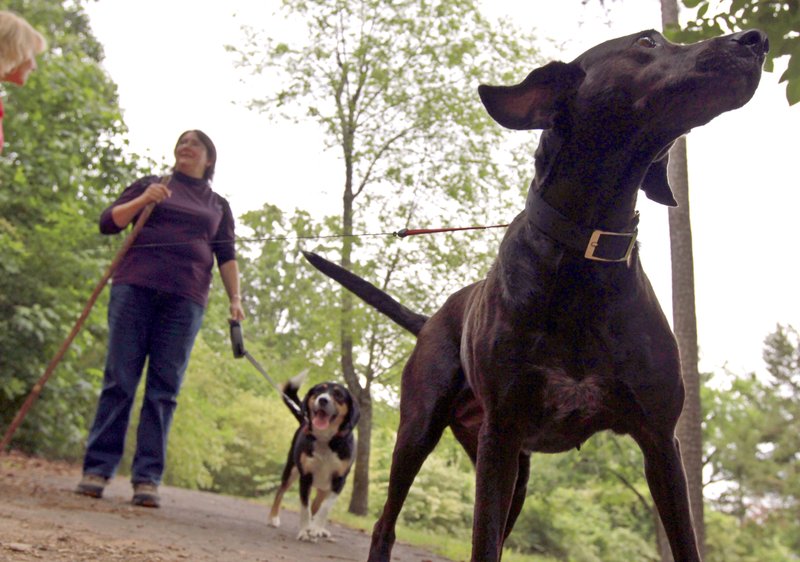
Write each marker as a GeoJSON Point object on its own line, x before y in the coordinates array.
{"type": "Point", "coordinates": [191, 156]}
{"type": "Point", "coordinates": [20, 74]}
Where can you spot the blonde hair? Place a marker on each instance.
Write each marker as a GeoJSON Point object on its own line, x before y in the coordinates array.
{"type": "Point", "coordinates": [18, 42]}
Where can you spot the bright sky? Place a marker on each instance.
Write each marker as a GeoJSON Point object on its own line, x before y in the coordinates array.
{"type": "Point", "coordinates": [173, 73]}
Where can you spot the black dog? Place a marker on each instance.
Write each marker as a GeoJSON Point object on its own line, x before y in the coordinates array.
{"type": "Point", "coordinates": [565, 336]}
{"type": "Point", "coordinates": [322, 452]}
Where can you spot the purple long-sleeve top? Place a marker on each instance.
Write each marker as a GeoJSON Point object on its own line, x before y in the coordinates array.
{"type": "Point", "coordinates": [175, 249]}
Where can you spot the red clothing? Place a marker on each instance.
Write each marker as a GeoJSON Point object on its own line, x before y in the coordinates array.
{"type": "Point", "coordinates": [175, 250]}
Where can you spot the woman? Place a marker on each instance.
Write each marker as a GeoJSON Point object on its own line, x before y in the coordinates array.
{"type": "Point", "coordinates": [158, 297]}
{"type": "Point", "coordinates": [19, 45]}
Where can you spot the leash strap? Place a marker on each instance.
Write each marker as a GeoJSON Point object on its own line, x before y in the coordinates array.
{"type": "Point", "coordinates": [237, 343]}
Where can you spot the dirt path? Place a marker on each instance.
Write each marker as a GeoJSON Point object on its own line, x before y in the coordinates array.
{"type": "Point", "coordinates": [42, 519]}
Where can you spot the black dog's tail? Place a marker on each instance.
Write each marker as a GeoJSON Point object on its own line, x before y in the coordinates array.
{"type": "Point", "coordinates": [369, 293]}
{"type": "Point", "coordinates": [291, 397]}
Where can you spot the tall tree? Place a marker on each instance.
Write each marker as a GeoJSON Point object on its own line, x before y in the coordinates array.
{"type": "Point", "coordinates": [62, 157]}
{"type": "Point", "coordinates": [393, 86]}
{"type": "Point", "coordinates": [684, 324]}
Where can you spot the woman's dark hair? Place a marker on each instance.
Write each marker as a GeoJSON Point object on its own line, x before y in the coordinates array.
{"type": "Point", "coordinates": [208, 175]}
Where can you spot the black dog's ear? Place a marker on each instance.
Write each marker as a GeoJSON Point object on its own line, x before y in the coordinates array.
{"type": "Point", "coordinates": [533, 103]}
{"type": "Point", "coordinates": [656, 182]}
{"type": "Point", "coordinates": [353, 415]}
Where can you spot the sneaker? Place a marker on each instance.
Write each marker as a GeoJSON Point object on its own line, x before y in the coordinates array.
{"type": "Point", "coordinates": [145, 494]}
{"type": "Point", "coordinates": [92, 485]}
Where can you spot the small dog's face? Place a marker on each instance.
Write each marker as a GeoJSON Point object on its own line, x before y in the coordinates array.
{"type": "Point", "coordinates": [330, 407]}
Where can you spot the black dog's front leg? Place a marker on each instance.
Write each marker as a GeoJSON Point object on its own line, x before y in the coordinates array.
{"type": "Point", "coordinates": [667, 481]}
{"type": "Point", "coordinates": [496, 479]}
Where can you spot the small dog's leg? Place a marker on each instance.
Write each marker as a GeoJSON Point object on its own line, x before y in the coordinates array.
{"type": "Point", "coordinates": [320, 517]}
{"type": "Point", "coordinates": [274, 513]}
{"type": "Point", "coordinates": [306, 533]}
{"type": "Point", "coordinates": [320, 497]}
{"type": "Point", "coordinates": [306, 530]}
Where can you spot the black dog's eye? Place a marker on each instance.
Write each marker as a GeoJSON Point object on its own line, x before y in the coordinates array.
{"type": "Point", "coordinates": [646, 42]}
{"type": "Point", "coordinates": [338, 395]}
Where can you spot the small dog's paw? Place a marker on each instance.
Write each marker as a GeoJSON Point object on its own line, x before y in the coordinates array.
{"type": "Point", "coordinates": [274, 521]}
{"type": "Point", "coordinates": [320, 532]}
{"type": "Point", "coordinates": [307, 535]}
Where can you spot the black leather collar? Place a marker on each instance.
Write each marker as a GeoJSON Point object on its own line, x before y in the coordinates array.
{"type": "Point", "coordinates": [594, 244]}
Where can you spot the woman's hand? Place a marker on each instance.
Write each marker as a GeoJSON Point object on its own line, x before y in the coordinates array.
{"type": "Point", "coordinates": [236, 310]}
{"type": "Point", "coordinates": [229, 272]}
{"type": "Point", "coordinates": [155, 193]}
{"type": "Point", "coordinates": [122, 215]}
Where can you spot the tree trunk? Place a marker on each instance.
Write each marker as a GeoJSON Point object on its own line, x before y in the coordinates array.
{"type": "Point", "coordinates": [359, 500]}
{"type": "Point", "coordinates": [684, 320]}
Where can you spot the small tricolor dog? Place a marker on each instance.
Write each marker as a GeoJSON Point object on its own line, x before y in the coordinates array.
{"type": "Point", "coordinates": [322, 452]}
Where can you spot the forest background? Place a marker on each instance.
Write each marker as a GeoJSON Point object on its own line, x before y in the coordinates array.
{"type": "Point", "coordinates": [68, 156]}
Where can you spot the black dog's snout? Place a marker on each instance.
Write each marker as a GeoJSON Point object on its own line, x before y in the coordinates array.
{"type": "Point", "coordinates": [322, 400]}
{"type": "Point", "coordinates": [753, 38]}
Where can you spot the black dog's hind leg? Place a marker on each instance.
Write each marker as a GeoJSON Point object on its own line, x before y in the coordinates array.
{"type": "Point", "coordinates": [424, 415]}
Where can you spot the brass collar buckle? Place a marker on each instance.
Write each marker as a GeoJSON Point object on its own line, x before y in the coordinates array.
{"type": "Point", "coordinates": [594, 242]}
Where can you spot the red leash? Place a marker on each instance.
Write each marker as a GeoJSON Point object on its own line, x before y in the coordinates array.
{"type": "Point", "coordinates": [414, 231]}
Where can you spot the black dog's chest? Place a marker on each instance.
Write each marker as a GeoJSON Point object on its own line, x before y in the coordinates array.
{"type": "Point", "coordinates": [573, 376]}
{"type": "Point", "coordinates": [567, 408]}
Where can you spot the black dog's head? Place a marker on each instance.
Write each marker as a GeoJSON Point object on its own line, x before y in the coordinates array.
{"type": "Point", "coordinates": [639, 92]}
{"type": "Point", "coordinates": [330, 408]}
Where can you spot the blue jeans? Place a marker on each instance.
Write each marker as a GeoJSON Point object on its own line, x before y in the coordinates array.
{"type": "Point", "coordinates": [144, 324]}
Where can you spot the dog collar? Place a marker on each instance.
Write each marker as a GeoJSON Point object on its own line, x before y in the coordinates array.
{"type": "Point", "coordinates": [595, 244]}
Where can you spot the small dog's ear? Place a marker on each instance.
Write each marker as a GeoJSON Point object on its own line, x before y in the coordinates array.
{"type": "Point", "coordinates": [353, 415]}
{"type": "Point", "coordinates": [533, 103]}
{"type": "Point", "coordinates": [656, 182]}
{"type": "Point", "coordinates": [304, 405]}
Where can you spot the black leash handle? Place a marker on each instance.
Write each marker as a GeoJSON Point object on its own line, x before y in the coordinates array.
{"type": "Point", "coordinates": [237, 346]}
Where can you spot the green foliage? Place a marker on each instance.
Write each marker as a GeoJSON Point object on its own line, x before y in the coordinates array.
{"type": "Point", "coordinates": [591, 504]}
{"type": "Point", "coordinates": [62, 158]}
{"type": "Point", "coordinates": [393, 85]}
{"type": "Point", "coordinates": [728, 540]}
{"type": "Point", "coordinates": [752, 441]}
{"type": "Point", "coordinates": [780, 19]}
